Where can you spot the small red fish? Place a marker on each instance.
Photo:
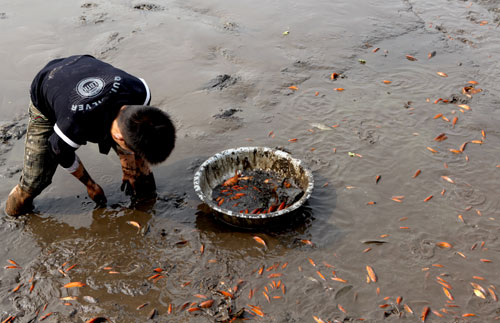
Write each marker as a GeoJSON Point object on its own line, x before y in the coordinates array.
{"type": "Point", "coordinates": [12, 262]}
{"type": "Point", "coordinates": [74, 284]}
{"type": "Point", "coordinates": [97, 320]}
{"type": "Point", "coordinates": [69, 268]}
{"type": "Point", "coordinates": [441, 137]}
{"type": "Point", "coordinates": [154, 276]}
{"type": "Point", "coordinates": [431, 150]}
{"type": "Point", "coordinates": [266, 296]}
{"type": "Point", "coordinates": [46, 315]}
{"type": "Point", "coordinates": [135, 224]}
{"type": "Point", "coordinates": [425, 312]}
{"type": "Point", "coordinates": [448, 294]}
{"type": "Point", "coordinates": [207, 304]}
{"type": "Point", "coordinates": [371, 274]}
{"type": "Point", "coordinates": [233, 180]}
{"type": "Point", "coordinates": [226, 294]}
{"type": "Point", "coordinates": [308, 242]}
{"type": "Point", "coordinates": [274, 275]}
{"type": "Point", "coordinates": [260, 240]}
{"type": "Point", "coordinates": [446, 178]}
{"type": "Point", "coordinates": [17, 288]}
{"type": "Point", "coordinates": [142, 306]}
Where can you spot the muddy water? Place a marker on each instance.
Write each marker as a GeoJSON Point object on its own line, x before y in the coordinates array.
{"type": "Point", "coordinates": [184, 49]}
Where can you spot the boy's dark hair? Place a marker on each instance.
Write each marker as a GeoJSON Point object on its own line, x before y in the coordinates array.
{"type": "Point", "coordinates": [147, 131]}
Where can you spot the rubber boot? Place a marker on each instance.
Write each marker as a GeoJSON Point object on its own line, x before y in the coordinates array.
{"type": "Point", "coordinates": [19, 202]}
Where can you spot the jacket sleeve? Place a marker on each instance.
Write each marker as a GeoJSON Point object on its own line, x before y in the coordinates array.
{"type": "Point", "coordinates": [64, 153]}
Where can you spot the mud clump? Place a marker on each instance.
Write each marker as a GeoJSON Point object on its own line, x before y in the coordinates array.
{"type": "Point", "coordinates": [11, 130]}
{"type": "Point", "coordinates": [89, 5]}
{"type": "Point", "coordinates": [230, 26]}
{"type": "Point", "coordinates": [173, 200]}
{"type": "Point", "coordinates": [221, 82]}
{"type": "Point", "coordinates": [148, 7]}
{"type": "Point", "coordinates": [257, 192]}
{"type": "Point", "coordinates": [10, 171]}
{"type": "Point", "coordinates": [227, 114]}
{"type": "Point", "coordinates": [457, 98]}
{"type": "Point", "coordinates": [95, 19]}
{"type": "Point", "coordinates": [9, 133]}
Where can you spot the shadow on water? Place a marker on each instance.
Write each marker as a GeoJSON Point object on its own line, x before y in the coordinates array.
{"type": "Point", "coordinates": [105, 223]}
{"type": "Point", "coordinates": [310, 222]}
{"type": "Point", "coordinates": [80, 253]}
{"type": "Point", "coordinates": [114, 258]}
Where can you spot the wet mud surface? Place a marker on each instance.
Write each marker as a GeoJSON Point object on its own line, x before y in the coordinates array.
{"type": "Point", "coordinates": [398, 222]}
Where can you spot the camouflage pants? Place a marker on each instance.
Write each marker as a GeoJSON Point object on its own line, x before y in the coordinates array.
{"type": "Point", "coordinates": [39, 161]}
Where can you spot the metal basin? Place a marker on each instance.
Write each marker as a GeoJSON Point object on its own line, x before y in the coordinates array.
{"type": "Point", "coordinates": [223, 165]}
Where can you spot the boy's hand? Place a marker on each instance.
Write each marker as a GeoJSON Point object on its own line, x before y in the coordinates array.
{"type": "Point", "coordinates": [95, 191]}
{"type": "Point", "coordinates": [137, 180]}
{"type": "Point", "coordinates": [127, 160]}
{"type": "Point", "coordinates": [127, 185]}
{"type": "Point", "coordinates": [96, 194]}
{"type": "Point", "coordinates": [145, 187]}
{"type": "Point", "coordinates": [140, 185]}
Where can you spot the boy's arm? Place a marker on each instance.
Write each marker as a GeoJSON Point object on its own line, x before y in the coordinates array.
{"type": "Point", "coordinates": [145, 186]}
{"type": "Point", "coordinates": [93, 189]}
{"type": "Point", "coordinates": [127, 162]}
{"type": "Point", "coordinates": [137, 180]}
{"type": "Point", "coordinates": [68, 160]}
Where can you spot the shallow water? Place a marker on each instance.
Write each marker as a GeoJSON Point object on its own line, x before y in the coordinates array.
{"type": "Point", "coordinates": [180, 48]}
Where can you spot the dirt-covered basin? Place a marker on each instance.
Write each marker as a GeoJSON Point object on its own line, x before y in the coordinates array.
{"type": "Point", "coordinates": [223, 166]}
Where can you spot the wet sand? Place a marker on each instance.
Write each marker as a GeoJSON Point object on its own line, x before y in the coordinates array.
{"type": "Point", "coordinates": [223, 71]}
